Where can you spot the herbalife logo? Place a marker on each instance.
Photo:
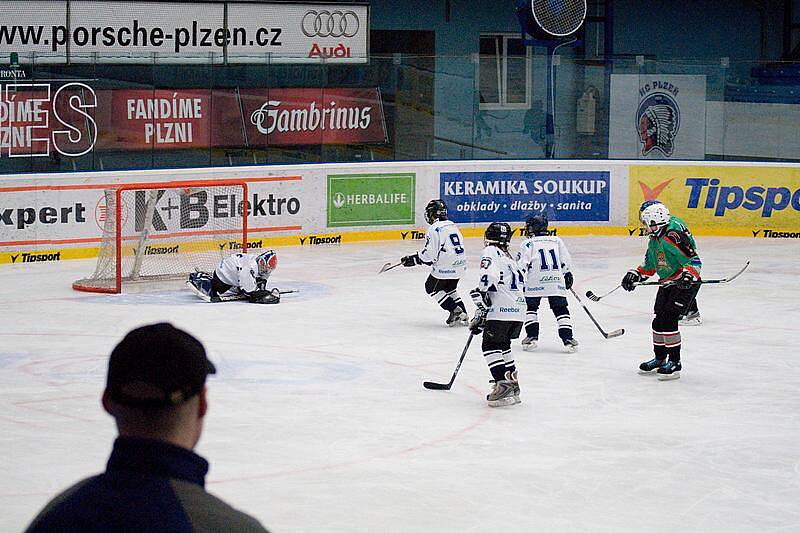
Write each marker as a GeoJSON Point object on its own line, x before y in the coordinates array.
{"type": "Point", "coordinates": [338, 200]}
{"type": "Point", "coordinates": [370, 199]}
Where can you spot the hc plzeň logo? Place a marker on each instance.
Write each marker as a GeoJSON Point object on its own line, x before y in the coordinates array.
{"type": "Point", "coordinates": [658, 119]}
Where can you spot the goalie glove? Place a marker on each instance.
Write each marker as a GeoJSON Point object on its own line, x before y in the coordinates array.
{"type": "Point", "coordinates": [265, 296]}
{"type": "Point", "coordinates": [481, 299]}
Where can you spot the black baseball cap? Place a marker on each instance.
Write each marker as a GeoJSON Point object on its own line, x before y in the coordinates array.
{"type": "Point", "coordinates": [157, 365]}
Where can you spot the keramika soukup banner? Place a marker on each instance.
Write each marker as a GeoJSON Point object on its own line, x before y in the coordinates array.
{"type": "Point", "coordinates": [196, 118]}
{"type": "Point", "coordinates": [761, 199]}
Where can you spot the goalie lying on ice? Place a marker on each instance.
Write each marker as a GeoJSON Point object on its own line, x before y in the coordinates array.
{"type": "Point", "coordinates": [238, 277]}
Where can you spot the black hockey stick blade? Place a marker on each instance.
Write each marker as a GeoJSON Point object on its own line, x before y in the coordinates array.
{"type": "Point", "coordinates": [288, 291]}
{"type": "Point", "coordinates": [436, 386]}
{"type": "Point", "coordinates": [593, 297]}
{"type": "Point", "coordinates": [611, 335]}
{"type": "Point", "coordinates": [447, 386]}
{"type": "Point", "coordinates": [388, 266]}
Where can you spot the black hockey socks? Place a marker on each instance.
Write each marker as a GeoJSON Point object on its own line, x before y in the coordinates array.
{"type": "Point", "coordinates": [509, 361]}
{"type": "Point", "coordinates": [666, 337]}
{"type": "Point", "coordinates": [496, 363]}
{"type": "Point", "coordinates": [564, 322]}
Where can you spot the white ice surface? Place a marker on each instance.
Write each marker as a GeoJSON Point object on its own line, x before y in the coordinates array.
{"type": "Point", "coordinates": [318, 419]}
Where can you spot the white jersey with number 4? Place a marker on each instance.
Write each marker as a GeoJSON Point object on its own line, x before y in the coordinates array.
{"type": "Point", "coordinates": [239, 270]}
{"type": "Point", "coordinates": [444, 250]}
{"type": "Point", "coordinates": [505, 284]}
{"type": "Point", "coordinates": [544, 260]}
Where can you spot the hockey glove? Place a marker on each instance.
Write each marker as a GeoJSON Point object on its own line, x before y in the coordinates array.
{"type": "Point", "coordinates": [568, 280]}
{"type": "Point", "coordinates": [631, 277]}
{"type": "Point", "coordinates": [685, 280]}
{"type": "Point", "coordinates": [481, 299]}
{"type": "Point", "coordinates": [265, 296]}
{"type": "Point", "coordinates": [478, 322]}
{"type": "Point", "coordinates": [410, 260]}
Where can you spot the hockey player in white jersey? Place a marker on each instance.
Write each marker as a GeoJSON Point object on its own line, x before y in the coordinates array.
{"type": "Point", "coordinates": [547, 265]}
{"type": "Point", "coordinates": [444, 253]}
{"type": "Point", "coordinates": [500, 299]}
{"type": "Point", "coordinates": [240, 276]}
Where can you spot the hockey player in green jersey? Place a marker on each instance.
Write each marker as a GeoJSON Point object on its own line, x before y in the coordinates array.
{"type": "Point", "coordinates": [671, 253]}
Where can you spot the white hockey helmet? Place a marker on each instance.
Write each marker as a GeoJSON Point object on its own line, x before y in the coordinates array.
{"type": "Point", "coordinates": [267, 262]}
{"type": "Point", "coordinates": [654, 216]}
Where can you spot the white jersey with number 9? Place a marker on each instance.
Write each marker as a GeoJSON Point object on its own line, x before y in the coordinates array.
{"type": "Point", "coordinates": [444, 250]}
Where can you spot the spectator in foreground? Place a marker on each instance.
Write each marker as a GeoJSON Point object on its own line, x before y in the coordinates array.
{"type": "Point", "coordinates": [153, 481]}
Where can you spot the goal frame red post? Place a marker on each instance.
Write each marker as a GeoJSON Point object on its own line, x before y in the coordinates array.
{"type": "Point", "coordinates": [84, 284]}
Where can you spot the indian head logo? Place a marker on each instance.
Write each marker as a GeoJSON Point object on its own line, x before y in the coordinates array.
{"type": "Point", "coordinates": [658, 119]}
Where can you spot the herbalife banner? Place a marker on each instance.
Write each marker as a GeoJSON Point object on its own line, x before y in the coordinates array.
{"type": "Point", "coordinates": [656, 116]}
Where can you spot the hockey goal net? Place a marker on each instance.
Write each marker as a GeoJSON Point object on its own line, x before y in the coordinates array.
{"type": "Point", "coordinates": [155, 232]}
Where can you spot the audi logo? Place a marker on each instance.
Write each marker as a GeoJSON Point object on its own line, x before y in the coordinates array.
{"type": "Point", "coordinates": [330, 24]}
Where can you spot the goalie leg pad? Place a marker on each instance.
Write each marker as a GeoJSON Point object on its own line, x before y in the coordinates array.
{"type": "Point", "coordinates": [200, 283]}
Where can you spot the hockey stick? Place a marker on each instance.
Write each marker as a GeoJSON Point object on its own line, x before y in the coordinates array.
{"type": "Point", "coordinates": [609, 335]}
{"type": "Point", "coordinates": [231, 297]}
{"type": "Point", "coordinates": [447, 386]}
{"type": "Point", "coordinates": [593, 297]}
{"type": "Point", "coordinates": [388, 266]}
{"type": "Point", "coordinates": [697, 282]}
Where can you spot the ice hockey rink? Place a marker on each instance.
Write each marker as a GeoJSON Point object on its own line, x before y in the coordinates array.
{"type": "Point", "coordinates": [318, 420]}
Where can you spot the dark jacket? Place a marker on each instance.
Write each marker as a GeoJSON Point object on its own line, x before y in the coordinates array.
{"type": "Point", "coordinates": [148, 486]}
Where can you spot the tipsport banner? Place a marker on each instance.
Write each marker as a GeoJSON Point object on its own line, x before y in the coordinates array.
{"type": "Point", "coordinates": [721, 197]}
{"type": "Point", "coordinates": [513, 196]}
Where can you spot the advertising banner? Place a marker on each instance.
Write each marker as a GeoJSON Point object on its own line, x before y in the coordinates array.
{"type": "Point", "coordinates": [513, 196]}
{"type": "Point", "coordinates": [183, 32]}
{"type": "Point", "coordinates": [76, 214]}
{"type": "Point", "coordinates": [721, 196]}
{"type": "Point", "coordinates": [370, 199]}
{"type": "Point", "coordinates": [155, 119]}
{"type": "Point", "coordinates": [655, 116]}
{"type": "Point", "coordinates": [40, 119]}
{"type": "Point", "coordinates": [196, 118]}
{"type": "Point", "coordinates": [312, 116]}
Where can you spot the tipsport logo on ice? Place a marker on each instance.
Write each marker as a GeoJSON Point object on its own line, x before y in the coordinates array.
{"type": "Point", "coordinates": [705, 195]}
{"type": "Point", "coordinates": [512, 196]}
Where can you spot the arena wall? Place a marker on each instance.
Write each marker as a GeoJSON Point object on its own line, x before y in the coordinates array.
{"type": "Point", "coordinates": [58, 217]}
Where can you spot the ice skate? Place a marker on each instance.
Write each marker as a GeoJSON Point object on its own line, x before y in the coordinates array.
{"type": "Point", "coordinates": [515, 382]}
{"type": "Point", "coordinates": [458, 317]}
{"type": "Point", "coordinates": [529, 344]}
{"type": "Point", "coordinates": [669, 370]}
{"type": "Point", "coordinates": [571, 345]}
{"type": "Point", "coordinates": [648, 367]}
{"type": "Point", "coordinates": [505, 392]}
{"type": "Point", "coordinates": [690, 319]}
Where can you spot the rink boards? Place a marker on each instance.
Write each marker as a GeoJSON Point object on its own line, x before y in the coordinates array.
{"type": "Point", "coordinates": [54, 217]}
